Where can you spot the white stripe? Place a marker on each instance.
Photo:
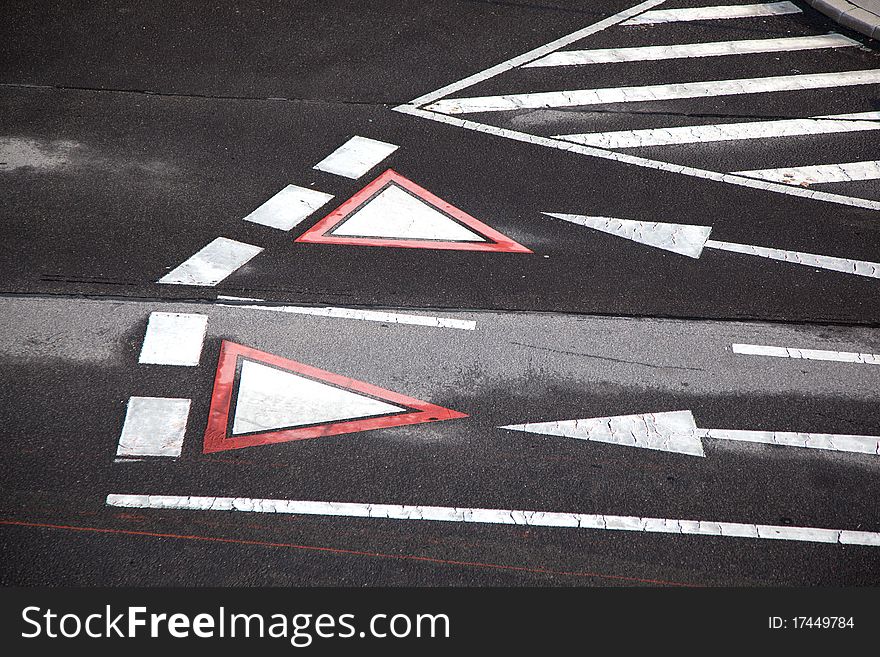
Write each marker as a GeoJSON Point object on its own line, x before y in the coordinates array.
{"type": "Point", "coordinates": [845, 265]}
{"type": "Point", "coordinates": [173, 339]}
{"type": "Point", "coordinates": [154, 426]}
{"type": "Point", "coordinates": [288, 207]}
{"type": "Point", "coordinates": [694, 134]}
{"type": "Point", "coordinates": [713, 13]}
{"type": "Point", "coordinates": [808, 354]}
{"type": "Point", "coordinates": [687, 50]}
{"type": "Point", "coordinates": [212, 263]}
{"type": "Point", "coordinates": [825, 441]}
{"type": "Point", "coordinates": [818, 174]}
{"type": "Point", "coordinates": [497, 517]}
{"type": "Point", "coordinates": [355, 157]}
{"type": "Point", "coordinates": [366, 315]}
{"type": "Point", "coordinates": [654, 92]}
{"type": "Point", "coordinates": [635, 160]}
{"type": "Point", "coordinates": [534, 54]}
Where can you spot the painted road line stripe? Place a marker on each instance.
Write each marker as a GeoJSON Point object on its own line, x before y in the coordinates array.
{"type": "Point", "coordinates": [366, 315]}
{"type": "Point", "coordinates": [498, 517]}
{"type": "Point", "coordinates": [635, 160]}
{"type": "Point", "coordinates": [173, 339]}
{"type": "Point", "coordinates": [845, 265]}
{"type": "Point", "coordinates": [808, 354]}
{"type": "Point", "coordinates": [355, 157]}
{"type": "Point", "coordinates": [654, 92]}
{"type": "Point", "coordinates": [688, 50]}
{"type": "Point", "coordinates": [698, 134]}
{"type": "Point", "coordinates": [154, 426]}
{"type": "Point", "coordinates": [288, 207]}
{"type": "Point", "coordinates": [212, 263]}
{"type": "Point", "coordinates": [540, 51]}
{"type": "Point", "coordinates": [818, 174]}
{"type": "Point", "coordinates": [713, 13]}
{"type": "Point", "coordinates": [676, 431]}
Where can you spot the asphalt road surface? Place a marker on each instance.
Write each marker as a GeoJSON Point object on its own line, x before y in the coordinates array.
{"type": "Point", "coordinates": [377, 383]}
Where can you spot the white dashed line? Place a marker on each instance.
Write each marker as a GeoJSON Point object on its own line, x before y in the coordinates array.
{"type": "Point", "coordinates": [154, 426]}
{"type": "Point", "coordinates": [355, 157]}
{"type": "Point", "coordinates": [212, 263]}
{"type": "Point", "coordinates": [173, 339]}
{"type": "Point", "coordinates": [807, 354]}
{"type": "Point", "coordinates": [288, 207]}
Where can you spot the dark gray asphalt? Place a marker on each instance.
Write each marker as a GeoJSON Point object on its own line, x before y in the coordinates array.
{"type": "Point", "coordinates": [132, 135]}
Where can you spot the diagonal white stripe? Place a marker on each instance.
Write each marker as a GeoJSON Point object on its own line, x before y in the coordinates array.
{"type": "Point", "coordinates": [818, 174]}
{"type": "Point", "coordinates": [713, 13]}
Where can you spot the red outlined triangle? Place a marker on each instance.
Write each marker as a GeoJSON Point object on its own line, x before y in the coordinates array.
{"type": "Point", "coordinates": [321, 232]}
{"type": "Point", "coordinates": [218, 437]}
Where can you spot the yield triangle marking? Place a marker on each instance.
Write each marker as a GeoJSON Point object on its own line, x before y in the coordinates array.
{"type": "Point", "coordinates": [261, 399]}
{"type": "Point", "coordinates": [394, 211]}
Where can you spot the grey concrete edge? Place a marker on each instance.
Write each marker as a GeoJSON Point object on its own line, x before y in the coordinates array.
{"type": "Point", "coordinates": [853, 14]}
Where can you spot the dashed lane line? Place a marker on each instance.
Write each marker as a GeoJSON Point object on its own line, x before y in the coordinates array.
{"type": "Point", "coordinates": [154, 426]}
{"type": "Point", "coordinates": [212, 263]}
{"type": "Point", "coordinates": [173, 339]}
{"type": "Point", "coordinates": [807, 354]}
{"type": "Point", "coordinates": [356, 157]}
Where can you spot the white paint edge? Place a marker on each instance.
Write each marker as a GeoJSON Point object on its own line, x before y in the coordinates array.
{"type": "Point", "coordinates": [356, 157]}
{"type": "Point", "coordinates": [173, 339]}
{"type": "Point", "coordinates": [843, 265]}
{"type": "Point", "coordinates": [212, 263]}
{"type": "Point", "coordinates": [714, 13]}
{"type": "Point", "coordinates": [808, 354]}
{"type": "Point", "coordinates": [635, 160]}
{"type": "Point", "coordinates": [498, 517]}
{"type": "Point", "coordinates": [365, 315]}
{"type": "Point", "coordinates": [154, 426]}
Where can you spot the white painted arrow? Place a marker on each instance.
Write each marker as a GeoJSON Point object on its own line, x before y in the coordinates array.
{"type": "Point", "coordinates": [676, 431]}
{"type": "Point", "coordinates": [691, 240]}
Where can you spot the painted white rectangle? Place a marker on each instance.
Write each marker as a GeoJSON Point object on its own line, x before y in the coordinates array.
{"type": "Point", "coordinates": [689, 50]}
{"type": "Point", "coordinates": [496, 516]}
{"type": "Point", "coordinates": [174, 339]}
{"type": "Point", "coordinates": [845, 265]}
{"type": "Point", "coordinates": [288, 207]}
{"type": "Point", "coordinates": [154, 426]}
{"type": "Point", "coordinates": [818, 174]}
{"type": "Point", "coordinates": [212, 263]}
{"type": "Point", "coordinates": [808, 354]}
{"type": "Point", "coordinates": [355, 157]}
{"type": "Point", "coordinates": [654, 92]}
{"type": "Point", "coordinates": [713, 13]}
{"type": "Point", "coordinates": [696, 134]}
{"type": "Point", "coordinates": [366, 315]}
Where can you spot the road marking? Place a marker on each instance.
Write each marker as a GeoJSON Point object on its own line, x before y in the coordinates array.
{"type": "Point", "coordinates": [676, 431]}
{"type": "Point", "coordinates": [818, 174]}
{"type": "Point", "coordinates": [808, 354]}
{"type": "Point", "coordinates": [498, 517]}
{"type": "Point", "coordinates": [154, 426]}
{"type": "Point", "coordinates": [365, 315]}
{"type": "Point", "coordinates": [173, 339]}
{"type": "Point", "coordinates": [260, 399]}
{"type": "Point", "coordinates": [540, 51]}
{"type": "Point", "coordinates": [393, 211]}
{"type": "Point", "coordinates": [678, 238]}
{"type": "Point", "coordinates": [288, 207]}
{"type": "Point", "coordinates": [626, 158]}
{"type": "Point", "coordinates": [355, 157]}
{"type": "Point", "coordinates": [654, 92]}
{"type": "Point", "coordinates": [690, 240]}
{"type": "Point", "coordinates": [212, 263]}
{"type": "Point", "coordinates": [845, 265]}
{"type": "Point", "coordinates": [698, 134]}
{"type": "Point", "coordinates": [713, 13]}
{"type": "Point", "coordinates": [689, 50]}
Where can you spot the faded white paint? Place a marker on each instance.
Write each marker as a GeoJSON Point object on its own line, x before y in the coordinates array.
{"type": "Point", "coordinates": [212, 263]}
{"type": "Point", "coordinates": [713, 13]}
{"type": "Point", "coordinates": [397, 214]}
{"type": "Point", "coordinates": [355, 157]}
{"type": "Point", "coordinates": [288, 207]}
{"type": "Point", "coordinates": [154, 426]}
{"type": "Point", "coordinates": [691, 50]}
{"type": "Point", "coordinates": [654, 92]}
{"type": "Point", "coordinates": [844, 265]}
{"type": "Point", "coordinates": [698, 134]}
{"type": "Point", "coordinates": [269, 399]}
{"type": "Point", "coordinates": [818, 174]}
{"type": "Point", "coordinates": [498, 517]}
{"type": "Point", "coordinates": [808, 354]}
{"type": "Point", "coordinates": [174, 339]}
{"type": "Point", "coordinates": [678, 238]}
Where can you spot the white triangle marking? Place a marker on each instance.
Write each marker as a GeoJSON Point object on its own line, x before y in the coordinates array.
{"type": "Point", "coordinates": [396, 214]}
{"type": "Point", "coordinates": [270, 399]}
